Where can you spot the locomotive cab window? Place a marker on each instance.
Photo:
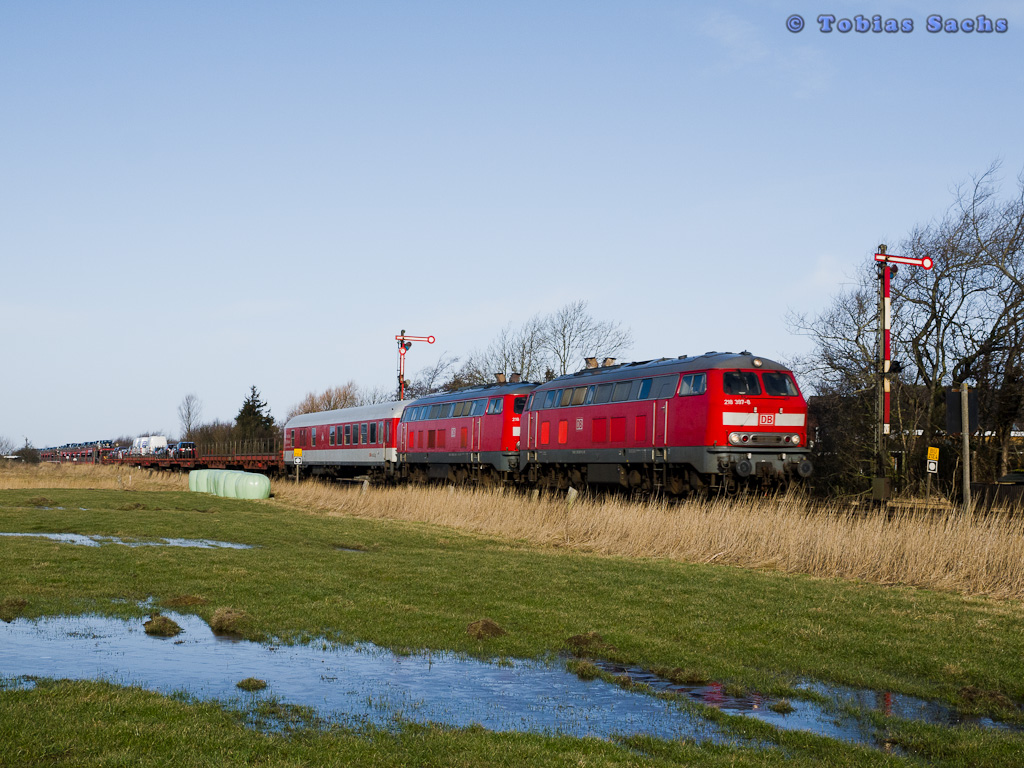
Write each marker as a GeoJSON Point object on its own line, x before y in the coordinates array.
{"type": "Point", "coordinates": [778, 384]}
{"type": "Point", "coordinates": [494, 406]}
{"type": "Point", "coordinates": [740, 383]}
{"type": "Point", "coordinates": [693, 384]}
{"type": "Point", "coordinates": [479, 406]}
{"type": "Point", "coordinates": [519, 404]}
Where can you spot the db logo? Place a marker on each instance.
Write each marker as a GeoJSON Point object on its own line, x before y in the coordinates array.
{"type": "Point", "coordinates": [579, 425]}
{"type": "Point", "coordinates": [766, 419]}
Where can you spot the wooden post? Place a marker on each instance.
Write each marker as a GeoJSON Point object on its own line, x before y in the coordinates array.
{"type": "Point", "coordinates": [965, 430]}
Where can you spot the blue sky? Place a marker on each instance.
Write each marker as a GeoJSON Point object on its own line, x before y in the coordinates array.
{"type": "Point", "coordinates": [199, 197]}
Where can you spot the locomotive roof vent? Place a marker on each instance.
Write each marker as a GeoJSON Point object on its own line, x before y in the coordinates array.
{"type": "Point", "coordinates": [515, 378]}
{"type": "Point", "coordinates": [500, 378]}
{"type": "Point", "coordinates": [591, 362]}
{"type": "Point", "coordinates": [608, 361]}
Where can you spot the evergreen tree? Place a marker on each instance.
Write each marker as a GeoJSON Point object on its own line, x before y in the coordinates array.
{"type": "Point", "coordinates": [254, 421]}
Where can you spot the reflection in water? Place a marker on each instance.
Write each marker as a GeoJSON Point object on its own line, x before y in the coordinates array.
{"type": "Point", "coordinates": [829, 721]}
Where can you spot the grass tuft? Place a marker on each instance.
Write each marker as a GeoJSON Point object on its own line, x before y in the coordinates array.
{"type": "Point", "coordinates": [782, 706]}
{"type": "Point", "coordinates": [161, 626]}
{"type": "Point", "coordinates": [228, 621]}
{"type": "Point", "coordinates": [583, 669]}
{"type": "Point", "coordinates": [484, 629]}
{"type": "Point", "coordinates": [11, 608]}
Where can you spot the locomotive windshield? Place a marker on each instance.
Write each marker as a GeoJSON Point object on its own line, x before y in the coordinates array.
{"type": "Point", "coordinates": [740, 383]}
{"type": "Point", "coordinates": [778, 384]}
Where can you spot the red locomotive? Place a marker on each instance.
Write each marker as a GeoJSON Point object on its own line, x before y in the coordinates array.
{"type": "Point", "coordinates": [714, 421]}
{"type": "Point", "coordinates": [471, 435]}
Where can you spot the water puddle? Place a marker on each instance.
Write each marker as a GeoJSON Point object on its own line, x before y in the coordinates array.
{"type": "Point", "coordinates": [343, 684]}
{"type": "Point", "coordinates": [833, 720]}
{"type": "Point", "coordinates": [95, 541]}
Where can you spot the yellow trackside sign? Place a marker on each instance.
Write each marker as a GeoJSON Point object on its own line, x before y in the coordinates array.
{"type": "Point", "coordinates": [933, 454]}
{"type": "Point", "coordinates": [298, 452]}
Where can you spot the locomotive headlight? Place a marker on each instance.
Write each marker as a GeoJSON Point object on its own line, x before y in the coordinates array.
{"type": "Point", "coordinates": [796, 439]}
{"type": "Point", "coordinates": [758, 362]}
{"type": "Point", "coordinates": [734, 438]}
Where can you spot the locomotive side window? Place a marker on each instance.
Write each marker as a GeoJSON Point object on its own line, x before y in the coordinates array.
{"type": "Point", "coordinates": [778, 384]}
{"type": "Point", "coordinates": [446, 411]}
{"type": "Point", "coordinates": [566, 398]}
{"type": "Point", "coordinates": [494, 406]}
{"type": "Point", "coordinates": [664, 386]}
{"type": "Point", "coordinates": [529, 403]}
{"type": "Point", "coordinates": [434, 411]}
{"type": "Point", "coordinates": [590, 395]}
{"type": "Point", "coordinates": [740, 383]}
{"type": "Point", "coordinates": [518, 405]}
{"type": "Point", "coordinates": [479, 406]}
{"type": "Point", "coordinates": [621, 391]}
{"type": "Point", "coordinates": [549, 398]}
{"type": "Point", "coordinates": [642, 387]}
{"type": "Point", "coordinates": [693, 384]}
{"type": "Point", "coordinates": [579, 394]}
{"type": "Point", "coordinates": [460, 408]}
{"type": "Point", "coordinates": [603, 393]}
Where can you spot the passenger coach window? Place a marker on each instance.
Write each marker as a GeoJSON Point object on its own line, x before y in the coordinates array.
{"type": "Point", "coordinates": [331, 442]}
{"type": "Point", "coordinates": [362, 434]}
{"type": "Point", "coordinates": [740, 383]}
{"type": "Point", "coordinates": [693, 384]}
{"type": "Point", "coordinates": [312, 433]}
{"type": "Point", "coordinates": [778, 384]}
{"type": "Point", "coordinates": [348, 434]}
{"type": "Point", "coordinates": [373, 432]}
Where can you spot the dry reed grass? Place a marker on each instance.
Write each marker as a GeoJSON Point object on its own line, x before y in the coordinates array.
{"type": "Point", "coordinates": [89, 477]}
{"type": "Point", "coordinates": [971, 554]}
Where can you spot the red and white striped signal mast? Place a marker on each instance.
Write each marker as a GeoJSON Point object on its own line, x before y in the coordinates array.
{"type": "Point", "coordinates": [882, 487]}
{"type": "Point", "coordinates": [404, 342]}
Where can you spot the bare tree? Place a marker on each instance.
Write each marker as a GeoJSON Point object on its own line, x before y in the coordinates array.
{"type": "Point", "coordinates": [332, 398]}
{"type": "Point", "coordinates": [961, 320]}
{"type": "Point", "coordinates": [571, 334]}
{"type": "Point", "coordinates": [189, 412]}
{"type": "Point", "coordinates": [6, 446]}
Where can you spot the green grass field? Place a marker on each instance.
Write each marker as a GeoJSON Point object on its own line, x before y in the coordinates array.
{"type": "Point", "coordinates": [411, 586]}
